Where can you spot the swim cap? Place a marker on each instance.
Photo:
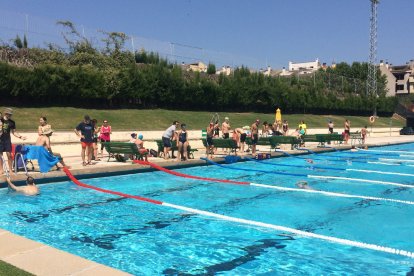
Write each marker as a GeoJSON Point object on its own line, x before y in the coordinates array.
{"type": "Point", "coordinates": [140, 136]}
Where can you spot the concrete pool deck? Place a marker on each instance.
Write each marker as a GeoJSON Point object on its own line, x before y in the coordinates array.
{"type": "Point", "coordinates": [41, 259]}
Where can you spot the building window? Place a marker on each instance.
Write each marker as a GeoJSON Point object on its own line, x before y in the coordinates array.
{"type": "Point", "coordinates": [400, 87]}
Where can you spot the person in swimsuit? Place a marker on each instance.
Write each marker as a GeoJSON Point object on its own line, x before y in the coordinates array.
{"type": "Point", "coordinates": [255, 135]}
{"type": "Point", "coordinates": [225, 128]}
{"type": "Point", "coordinates": [364, 134]}
{"type": "Point", "coordinates": [285, 127]}
{"type": "Point", "coordinates": [30, 189]}
{"type": "Point", "coordinates": [138, 141]}
{"type": "Point", "coordinates": [330, 127]}
{"type": "Point", "coordinates": [303, 185]}
{"type": "Point", "coordinates": [240, 137]}
{"type": "Point", "coordinates": [265, 129]}
{"type": "Point", "coordinates": [209, 140]}
{"type": "Point", "coordinates": [45, 131]}
{"type": "Point", "coordinates": [347, 130]}
{"type": "Point", "coordinates": [105, 134]}
{"type": "Point", "coordinates": [182, 143]}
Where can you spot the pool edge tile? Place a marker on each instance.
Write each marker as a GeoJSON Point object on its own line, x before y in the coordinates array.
{"type": "Point", "coordinates": [41, 259]}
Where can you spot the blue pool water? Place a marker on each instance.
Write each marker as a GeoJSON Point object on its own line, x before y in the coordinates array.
{"type": "Point", "coordinates": [147, 239]}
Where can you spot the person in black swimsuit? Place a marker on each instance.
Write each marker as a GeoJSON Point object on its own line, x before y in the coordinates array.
{"type": "Point", "coordinates": [182, 143]}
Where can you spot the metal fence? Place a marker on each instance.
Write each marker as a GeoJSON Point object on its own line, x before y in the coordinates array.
{"type": "Point", "coordinates": [42, 32]}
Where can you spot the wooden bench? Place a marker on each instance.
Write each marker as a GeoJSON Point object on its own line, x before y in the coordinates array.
{"type": "Point", "coordinates": [275, 141]}
{"type": "Point", "coordinates": [223, 143]}
{"type": "Point", "coordinates": [160, 151]}
{"type": "Point", "coordinates": [114, 148]}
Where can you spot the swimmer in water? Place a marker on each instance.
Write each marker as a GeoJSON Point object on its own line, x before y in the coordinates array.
{"type": "Point", "coordinates": [303, 185]}
{"type": "Point", "coordinates": [30, 189]}
{"type": "Point", "coordinates": [309, 161]}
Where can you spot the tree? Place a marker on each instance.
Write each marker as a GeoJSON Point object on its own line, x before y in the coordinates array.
{"type": "Point", "coordinates": [211, 69]}
{"type": "Point", "coordinates": [25, 41]}
{"type": "Point", "coordinates": [18, 42]}
{"type": "Point", "coordinates": [114, 41]}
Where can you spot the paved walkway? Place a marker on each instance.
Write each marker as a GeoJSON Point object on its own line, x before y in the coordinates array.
{"type": "Point", "coordinates": [67, 144]}
{"type": "Point", "coordinates": [41, 259]}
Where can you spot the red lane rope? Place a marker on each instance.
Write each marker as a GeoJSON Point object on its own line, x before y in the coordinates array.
{"type": "Point", "coordinates": [155, 166]}
{"type": "Point", "coordinates": [77, 182]}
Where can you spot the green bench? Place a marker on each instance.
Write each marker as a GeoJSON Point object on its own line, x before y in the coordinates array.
{"type": "Point", "coordinates": [160, 152]}
{"type": "Point", "coordinates": [275, 141]}
{"type": "Point", "coordinates": [356, 138]}
{"type": "Point", "coordinates": [309, 138]}
{"type": "Point", "coordinates": [321, 139]}
{"type": "Point", "coordinates": [223, 143]}
{"type": "Point", "coordinates": [114, 148]}
{"type": "Point", "coordinates": [262, 141]}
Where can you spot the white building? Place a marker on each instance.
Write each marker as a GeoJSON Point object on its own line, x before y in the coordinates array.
{"type": "Point", "coordinates": [304, 67]}
{"type": "Point", "coordinates": [226, 70]}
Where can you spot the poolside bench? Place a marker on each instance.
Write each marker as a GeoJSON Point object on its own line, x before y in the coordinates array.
{"type": "Point", "coordinates": [321, 139]}
{"type": "Point", "coordinates": [263, 141]}
{"type": "Point", "coordinates": [114, 148]}
{"type": "Point", "coordinates": [356, 138]}
{"type": "Point", "coordinates": [223, 143]}
{"type": "Point", "coordinates": [275, 141]}
{"type": "Point", "coordinates": [160, 151]}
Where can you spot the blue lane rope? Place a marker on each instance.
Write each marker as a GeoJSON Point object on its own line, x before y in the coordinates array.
{"type": "Point", "coordinates": [330, 158]}
{"type": "Point", "coordinates": [323, 159]}
{"type": "Point", "coordinates": [251, 170]}
{"type": "Point", "coordinates": [295, 166]}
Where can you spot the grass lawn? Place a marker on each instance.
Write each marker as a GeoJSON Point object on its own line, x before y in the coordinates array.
{"type": "Point", "coordinates": [7, 269]}
{"type": "Point", "coordinates": [66, 118]}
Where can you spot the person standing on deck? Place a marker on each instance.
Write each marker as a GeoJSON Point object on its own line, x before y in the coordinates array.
{"type": "Point", "coordinates": [209, 140]}
{"type": "Point", "coordinates": [168, 136]}
{"type": "Point", "coordinates": [225, 128]}
{"type": "Point", "coordinates": [254, 129]}
{"type": "Point", "coordinates": [347, 130]}
{"type": "Point", "coordinates": [85, 130]}
{"type": "Point", "coordinates": [8, 127]}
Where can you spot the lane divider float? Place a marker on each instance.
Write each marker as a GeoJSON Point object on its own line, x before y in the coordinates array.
{"type": "Point", "coordinates": [325, 167]}
{"type": "Point", "coordinates": [332, 194]}
{"type": "Point", "coordinates": [336, 240]}
{"type": "Point", "coordinates": [315, 176]}
{"type": "Point", "coordinates": [339, 160]}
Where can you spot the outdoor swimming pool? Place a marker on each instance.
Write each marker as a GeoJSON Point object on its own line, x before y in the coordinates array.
{"type": "Point", "coordinates": [147, 239]}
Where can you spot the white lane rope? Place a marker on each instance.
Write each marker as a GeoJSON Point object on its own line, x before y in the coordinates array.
{"type": "Point", "coordinates": [361, 180]}
{"type": "Point", "coordinates": [332, 194]}
{"type": "Point", "coordinates": [381, 172]}
{"type": "Point", "coordinates": [384, 163]}
{"type": "Point", "coordinates": [391, 151]}
{"type": "Point", "coordinates": [295, 231]}
{"type": "Point", "coordinates": [397, 160]}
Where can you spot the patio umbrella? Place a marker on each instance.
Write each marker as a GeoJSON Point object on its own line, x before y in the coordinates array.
{"type": "Point", "coordinates": [278, 115]}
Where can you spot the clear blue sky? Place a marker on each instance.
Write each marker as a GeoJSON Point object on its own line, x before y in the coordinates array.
{"type": "Point", "coordinates": [272, 31]}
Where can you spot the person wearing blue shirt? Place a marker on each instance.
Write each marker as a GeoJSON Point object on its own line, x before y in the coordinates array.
{"type": "Point", "coordinates": [85, 130]}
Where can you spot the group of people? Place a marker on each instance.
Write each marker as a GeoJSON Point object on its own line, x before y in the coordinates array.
{"type": "Point", "coordinates": [172, 133]}
{"type": "Point", "coordinates": [90, 133]}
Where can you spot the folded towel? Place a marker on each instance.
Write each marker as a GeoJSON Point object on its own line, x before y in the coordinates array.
{"type": "Point", "coordinates": [45, 159]}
